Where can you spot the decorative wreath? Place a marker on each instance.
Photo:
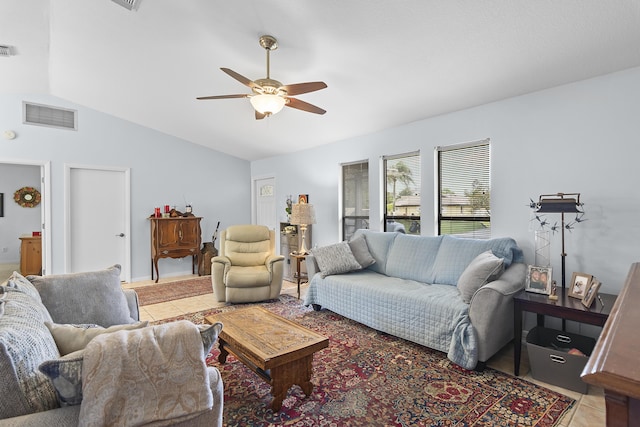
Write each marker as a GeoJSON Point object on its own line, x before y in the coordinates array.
{"type": "Point", "coordinates": [27, 197]}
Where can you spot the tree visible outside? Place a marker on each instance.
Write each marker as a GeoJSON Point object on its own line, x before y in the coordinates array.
{"type": "Point", "coordinates": [399, 172]}
{"type": "Point", "coordinates": [479, 198]}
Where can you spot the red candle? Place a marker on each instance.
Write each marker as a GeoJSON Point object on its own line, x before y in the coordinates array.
{"type": "Point", "coordinates": [157, 213]}
{"type": "Point", "coordinates": [166, 208]}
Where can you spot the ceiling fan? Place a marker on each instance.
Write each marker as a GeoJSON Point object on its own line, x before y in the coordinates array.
{"type": "Point", "coordinates": [270, 96]}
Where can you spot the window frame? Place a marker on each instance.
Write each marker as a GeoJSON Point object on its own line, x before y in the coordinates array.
{"type": "Point", "coordinates": [409, 219]}
{"type": "Point", "coordinates": [366, 196]}
{"type": "Point", "coordinates": [440, 217]}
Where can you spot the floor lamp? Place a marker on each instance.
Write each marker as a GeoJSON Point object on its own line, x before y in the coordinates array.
{"type": "Point", "coordinates": [560, 203]}
{"type": "Point", "coordinates": [303, 214]}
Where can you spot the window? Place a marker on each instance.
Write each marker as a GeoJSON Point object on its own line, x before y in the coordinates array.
{"type": "Point", "coordinates": [402, 195]}
{"type": "Point", "coordinates": [464, 191]}
{"type": "Point", "coordinates": [355, 198]}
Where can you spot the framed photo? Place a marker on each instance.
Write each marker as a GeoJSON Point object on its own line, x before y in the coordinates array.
{"type": "Point", "coordinates": [591, 293]}
{"type": "Point", "coordinates": [579, 285]}
{"type": "Point", "coordinates": [538, 280]}
{"type": "Point", "coordinates": [303, 198]}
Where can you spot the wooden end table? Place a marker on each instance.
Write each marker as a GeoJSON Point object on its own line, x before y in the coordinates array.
{"type": "Point", "coordinates": [299, 258]}
{"type": "Point", "coordinates": [278, 350]}
{"type": "Point", "coordinates": [565, 308]}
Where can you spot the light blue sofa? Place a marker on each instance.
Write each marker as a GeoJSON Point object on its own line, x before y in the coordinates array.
{"type": "Point", "coordinates": [410, 292]}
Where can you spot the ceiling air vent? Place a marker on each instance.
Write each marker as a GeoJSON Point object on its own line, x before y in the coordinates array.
{"type": "Point", "coordinates": [128, 4]}
{"type": "Point", "coordinates": [5, 50]}
{"type": "Point", "coordinates": [44, 115]}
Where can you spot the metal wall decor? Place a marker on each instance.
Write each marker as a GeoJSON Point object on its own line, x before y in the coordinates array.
{"type": "Point", "coordinates": [27, 197]}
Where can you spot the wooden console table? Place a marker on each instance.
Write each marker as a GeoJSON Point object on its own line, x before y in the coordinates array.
{"type": "Point", "coordinates": [613, 364]}
{"type": "Point", "coordinates": [566, 308]}
{"type": "Point", "coordinates": [177, 237]}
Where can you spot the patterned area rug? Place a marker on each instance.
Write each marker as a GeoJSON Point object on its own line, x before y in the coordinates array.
{"type": "Point", "coordinates": [368, 378]}
{"type": "Point", "coordinates": [154, 294]}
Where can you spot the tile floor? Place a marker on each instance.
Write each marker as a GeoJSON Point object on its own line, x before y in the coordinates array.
{"type": "Point", "coordinates": [589, 410]}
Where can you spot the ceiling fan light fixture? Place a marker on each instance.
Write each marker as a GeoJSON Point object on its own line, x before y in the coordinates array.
{"type": "Point", "coordinates": [267, 104]}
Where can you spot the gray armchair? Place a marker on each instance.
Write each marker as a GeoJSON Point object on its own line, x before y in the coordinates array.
{"type": "Point", "coordinates": [248, 269]}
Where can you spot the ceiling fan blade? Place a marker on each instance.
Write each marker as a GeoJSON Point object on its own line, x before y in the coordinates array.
{"type": "Point", "coordinates": [260, 116]}
{"type": "Point", "coordinates": [304, 106]}
{"type": "Point", "coordinates": [239, 77]}
{"type": "Point", "coordinates": [300, 88]}
{"type": "Point", "coordinates": [223, 96]}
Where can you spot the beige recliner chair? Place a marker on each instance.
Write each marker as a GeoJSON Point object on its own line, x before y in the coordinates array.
{"type": "Point", "coordinates": [248, 269]}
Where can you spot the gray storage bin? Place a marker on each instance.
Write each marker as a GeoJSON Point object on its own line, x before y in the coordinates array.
{"type": "Point", "coordinates": [550, 362]}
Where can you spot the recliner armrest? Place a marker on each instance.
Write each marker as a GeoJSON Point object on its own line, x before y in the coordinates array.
{"type": "Point", "coordinates": [271, 259]}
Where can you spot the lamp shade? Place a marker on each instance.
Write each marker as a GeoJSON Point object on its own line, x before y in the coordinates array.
{"type": "Point", "coordinates": [303, 214]}
{"type": "Point", "coordinates": [267, 104]}
{"type": "Point", "coordinates": [558, 203]}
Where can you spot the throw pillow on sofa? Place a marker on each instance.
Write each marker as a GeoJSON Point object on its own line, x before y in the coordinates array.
{"type": "Point", "coordinates": [485, 268]}
{"type": "Point", "coordinates": [360, 251]}
{"type": "Point", "coordinates": [335, 259]}
{"type": "Point", "coordinates": [66, 295]}
{"type": "Point", "coordinates": [71, 338]}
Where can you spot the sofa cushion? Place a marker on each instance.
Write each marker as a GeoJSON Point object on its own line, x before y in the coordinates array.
{"type": "Point", "coordinates": [361, 252]}
{"type": "Point", "coordinates": [25, 342]}
{"type": "Point", "coordinates": [71, 338]}
{"type": "Point", "coordinates": [485, 268]}
{"type": "Point", "coordinates": [379, 245]}
{"type": "Point", "coordinates": [412, 257]}
{"type": "Point", "coordinates": [335, 259]}
{"type": "Point", "coordinates": [70, 298]}
{"type": "Point", "coordinates": [456, 253]}
{"type": "Point", "coordinates": [65, 375]}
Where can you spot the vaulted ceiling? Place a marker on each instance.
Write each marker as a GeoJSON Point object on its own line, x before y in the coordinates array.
{"type": "Point", "coordinates": [386, 62]}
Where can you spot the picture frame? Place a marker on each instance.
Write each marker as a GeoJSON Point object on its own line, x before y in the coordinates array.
{"type": "Point", "coordinates": [303, 198]}
{"type": "Point", "coordinates": [538, 280]}
{"type": "Point", "coordinates": [591, 293]}
{"type": "Point", "coordinates": [580, 283]}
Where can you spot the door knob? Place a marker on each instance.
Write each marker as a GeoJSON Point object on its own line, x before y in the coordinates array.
{"type": "Point", "coordinates": [120, 235]}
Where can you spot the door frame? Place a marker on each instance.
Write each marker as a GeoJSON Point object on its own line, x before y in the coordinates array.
{"type": "Point", "coordinates": [126, 267]}
{"type": "Point", "coordinates": [45, 214]}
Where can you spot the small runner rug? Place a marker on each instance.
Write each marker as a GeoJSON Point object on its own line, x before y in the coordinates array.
{"type": "Point", "coordinates": [368, 378]}
{"type": "Point", "coordinates": [163, 292]}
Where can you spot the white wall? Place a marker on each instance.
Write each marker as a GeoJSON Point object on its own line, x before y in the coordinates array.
{"type": "Point", "coordinates": [581, 137]}
{"type": "Point", "coordinates": [17, 221]}
{"type": "Point", "coordinates": [164, 170]}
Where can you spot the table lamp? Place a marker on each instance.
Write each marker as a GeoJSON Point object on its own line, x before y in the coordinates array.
{"type": "Point", "coordinates": [303, 214]}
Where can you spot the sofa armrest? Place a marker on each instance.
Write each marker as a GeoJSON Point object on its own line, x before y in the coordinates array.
{"type": "Point", "coordinates": [133, 303]}
{"type": "Point", "coordinates": [312, 266]}
{"type": "Point", "coordinates": [491, 310]}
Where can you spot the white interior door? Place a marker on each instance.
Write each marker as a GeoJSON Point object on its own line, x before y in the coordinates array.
{"type": "Point", "coordinates": [98, 219]}
{"type": "Point", "coordinates": [265, 202]}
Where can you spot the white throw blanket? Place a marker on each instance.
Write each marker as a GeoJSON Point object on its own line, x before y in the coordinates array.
{"type": "Point", "coordinates": [153, 374]}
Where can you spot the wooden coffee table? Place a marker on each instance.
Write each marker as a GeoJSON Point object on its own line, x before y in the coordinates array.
{"type": "Point", "coordinates": [278, 350]}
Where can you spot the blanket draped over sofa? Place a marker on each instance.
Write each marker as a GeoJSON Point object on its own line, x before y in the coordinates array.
{"type": "Point", "coordinates": [410, 292]}
{"type": "Point", "coordinates": [139, 376]}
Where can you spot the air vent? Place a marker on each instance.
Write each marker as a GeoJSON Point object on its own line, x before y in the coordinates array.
{"type": "Point", "coordinates": [44, 115]}
{"type": "Point", "coordinates": [5, 50]}
{"type": "Point", "coordinates": [128, 4]}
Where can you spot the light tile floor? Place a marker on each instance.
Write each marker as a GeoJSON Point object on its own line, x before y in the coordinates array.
{"type": "Point", "coordinates": [589, 410]}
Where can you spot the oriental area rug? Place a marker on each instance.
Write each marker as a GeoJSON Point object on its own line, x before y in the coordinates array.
{"type": "Point", "coordinates": [163, 292]}
{"type": "Point", "coordinates": [368, 378]}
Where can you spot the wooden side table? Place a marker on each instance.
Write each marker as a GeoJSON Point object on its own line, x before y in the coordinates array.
{"type": "Point", "coordinates": [299, 258]}
{"type": "Point", "coordinates": [566, 308]}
